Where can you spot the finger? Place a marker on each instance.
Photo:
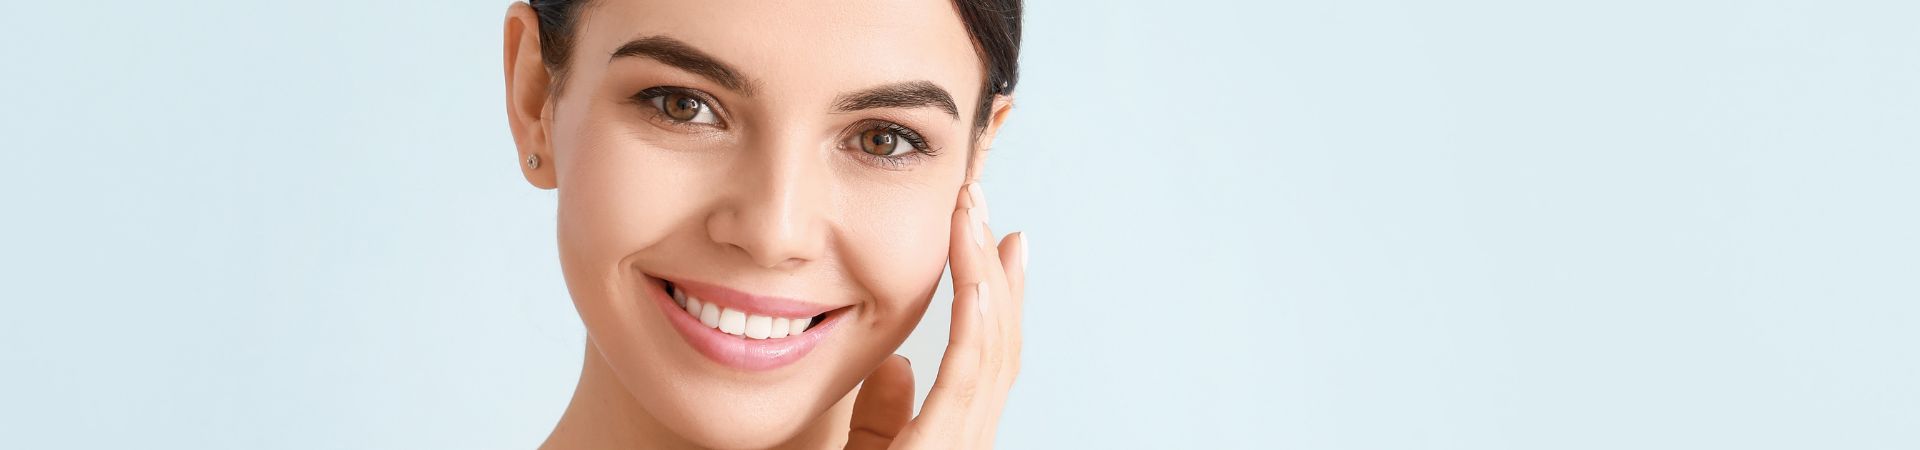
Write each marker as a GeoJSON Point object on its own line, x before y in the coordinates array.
{"type": "Point", "coordinates": [1013, 251]}
{"type": "Point", "coordinates": [969, 379]}
{"type": "Point", "coordinates": [1001, 310]}
{"type": "Point", "coordinates": [973, 262]}
{"type": "Point", "coordinates": [985, 265]}
{"type": "Point", "coordinates": [994, 259]}
{"type": "Point", "coordinates": [985, 229]}
{"type": "Point", "coordinates": [970, 238]}
{"type": "Point", "coordinates": [1013, 255]}
{"type": "Point", "coordinates": [884, 405]}
{"type": "Point", "coordinates": [959, 383]}
{"type": "Point", "coordinates": [969, 260]}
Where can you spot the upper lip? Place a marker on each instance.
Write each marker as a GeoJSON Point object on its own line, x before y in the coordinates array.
{"type": "Point", "coordinates": [749, 303]}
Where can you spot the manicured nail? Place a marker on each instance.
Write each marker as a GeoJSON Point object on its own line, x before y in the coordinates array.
{"type": "Point", "coordinates": [979, 227]}
{"type": "Point", "coordinates": [979, 197]}
{"type": "Point", "coordinates": [1023, 251]}
{"type": "Point", "coordinates": [980, 297]}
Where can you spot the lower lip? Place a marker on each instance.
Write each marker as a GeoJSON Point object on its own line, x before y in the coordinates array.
{"type": "Point", "coordinates": [735, 351]}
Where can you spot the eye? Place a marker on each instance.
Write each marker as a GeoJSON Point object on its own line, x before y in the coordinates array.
{"type": "Point", "coordinates": [680, 105]}
{"type": "Point", "coordinates": [890, 140]}
{"type": "Point", "coordinates": [880, 142]}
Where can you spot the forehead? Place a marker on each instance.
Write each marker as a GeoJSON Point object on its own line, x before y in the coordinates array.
{"type": "Point", "coordinates": [800, 47]}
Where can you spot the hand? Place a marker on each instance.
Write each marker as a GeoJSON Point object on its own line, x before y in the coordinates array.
{"type": "Point", "coordinates": [983, 352]}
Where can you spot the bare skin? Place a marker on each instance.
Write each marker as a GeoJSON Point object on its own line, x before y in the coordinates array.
{"type": "Point", "coordinates": [727, 143]}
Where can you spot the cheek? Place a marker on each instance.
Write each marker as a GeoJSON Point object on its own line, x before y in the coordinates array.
{"type": "Point", "coordinates": [899, 244]}
{"type": "Point", "coordinates": [617, 195]}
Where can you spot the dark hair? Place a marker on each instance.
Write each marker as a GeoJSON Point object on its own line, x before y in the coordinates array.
{"type": "Point", "coordinates": [994, 24]}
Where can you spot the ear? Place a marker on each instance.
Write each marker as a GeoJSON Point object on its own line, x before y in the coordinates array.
{"type": "Point", "coordinates": [529, 110]}
{"type": "Point", "coordinates": [1002, 105]}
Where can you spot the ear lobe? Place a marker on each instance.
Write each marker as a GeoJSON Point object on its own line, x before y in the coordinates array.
{"type": "Point", "coordinates": [1002, 105]}
{"type": "Point", "coordinates": [528, 101]}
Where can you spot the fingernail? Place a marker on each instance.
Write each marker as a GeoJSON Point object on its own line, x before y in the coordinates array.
{"type": "Point", "coordinates": [979, 197]}
{"type": "Point", "coordinates": [979, 227]}
{"type": "Point", "coordinates": [1023, 251]}
{"type": "Point", "coordinates": [980, 297]}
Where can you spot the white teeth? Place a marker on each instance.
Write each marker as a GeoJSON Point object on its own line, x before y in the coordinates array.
{"type": "Point", "coordinates": [781, 326]}
{"type": "Point", "coordinates": [759, 327]}
{"type": "Point", "coordinates": [732, 322]}
{"type": "Point", "coordinates": [739, 323]}
{"type": "Point", "coordinates": [710, 316]}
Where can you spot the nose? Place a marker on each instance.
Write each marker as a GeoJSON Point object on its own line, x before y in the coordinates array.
{"type": "Point", "coordinates": [775, 206]}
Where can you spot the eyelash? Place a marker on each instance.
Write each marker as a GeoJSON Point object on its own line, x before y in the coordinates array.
{"type": "Point", "coordinates": [645, 97]}
{"type": "Point", "coordinates": [921, 148]}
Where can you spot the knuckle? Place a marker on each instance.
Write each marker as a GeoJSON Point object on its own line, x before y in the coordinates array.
{"type": "Point", "coordinates": [963, 392]}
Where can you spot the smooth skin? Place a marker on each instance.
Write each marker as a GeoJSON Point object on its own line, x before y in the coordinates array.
{"type": "Point", "coordinates": [771, 194]}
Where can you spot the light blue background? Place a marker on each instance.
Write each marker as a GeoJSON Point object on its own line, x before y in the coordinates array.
{"type": "Point", "coordinates": [1318, 225]}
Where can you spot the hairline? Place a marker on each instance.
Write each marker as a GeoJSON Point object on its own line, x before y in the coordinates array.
{"type": "Point", "coordinates": [577, 21]}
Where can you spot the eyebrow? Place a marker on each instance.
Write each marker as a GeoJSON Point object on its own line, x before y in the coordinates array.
{"type": "Point", "coordinates": [908, 94]}
{"type": "Point", "coordinates": [674, 52]}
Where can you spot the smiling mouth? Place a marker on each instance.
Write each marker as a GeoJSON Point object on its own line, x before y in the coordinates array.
{"type": "Point", "coordinates": [745, 331]}
{"type": "Point", "coordinates": [740, 323]}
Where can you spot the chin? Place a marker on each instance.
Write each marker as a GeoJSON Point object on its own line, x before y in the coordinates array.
{"type": "Point", "coordinates": [717, 424]}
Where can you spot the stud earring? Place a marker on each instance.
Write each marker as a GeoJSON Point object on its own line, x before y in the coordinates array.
{"type": "Point", "coordinates": [533, 161]}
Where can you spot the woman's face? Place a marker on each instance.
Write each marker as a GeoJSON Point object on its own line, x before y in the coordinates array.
{"type": "Point", "coordinates": [790, 166]}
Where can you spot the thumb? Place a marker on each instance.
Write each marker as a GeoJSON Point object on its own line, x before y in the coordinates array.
{"type": "Point", "coordinates": [884, 405]}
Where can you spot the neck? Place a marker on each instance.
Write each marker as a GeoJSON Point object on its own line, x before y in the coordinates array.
{"type": "Point", "coordinates": [603, 414]}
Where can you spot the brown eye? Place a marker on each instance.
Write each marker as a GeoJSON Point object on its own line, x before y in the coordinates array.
{"type": "Point", "coordinates": [879, 142]}
{"type": "Point", "coordinates": [681, 107]}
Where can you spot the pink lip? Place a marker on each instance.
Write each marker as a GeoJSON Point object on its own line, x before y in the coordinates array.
{"type": "Point", "coordinates": [749, 303]}
{"type": "Point", "coordinates": [735, 351]}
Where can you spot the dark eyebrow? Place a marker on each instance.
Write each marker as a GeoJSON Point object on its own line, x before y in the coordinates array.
{"type": "Point", "coordinates": [909, 94]}
{"type": "Point", "coordinates": [674, 52]}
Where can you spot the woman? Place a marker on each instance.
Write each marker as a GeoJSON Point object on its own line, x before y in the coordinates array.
{"type": "Point", "coordinates": [756, 200]}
